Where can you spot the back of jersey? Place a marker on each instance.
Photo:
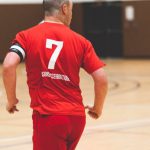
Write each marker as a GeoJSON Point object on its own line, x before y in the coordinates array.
{"type": "Point", "coordinates": [54, 55]}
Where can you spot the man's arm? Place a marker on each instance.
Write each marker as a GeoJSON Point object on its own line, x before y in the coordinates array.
{"type": "Point", "coordinates": [100, 88]}
{"type": "Point", "coordinates": [9, 78]}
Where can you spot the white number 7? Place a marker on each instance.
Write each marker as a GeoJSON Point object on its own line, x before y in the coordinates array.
{"type": "Point", "coordinates": [59, 44]}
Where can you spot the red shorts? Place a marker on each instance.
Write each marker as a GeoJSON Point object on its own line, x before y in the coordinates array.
{"type": "Point", "coordinates": [57, 132]}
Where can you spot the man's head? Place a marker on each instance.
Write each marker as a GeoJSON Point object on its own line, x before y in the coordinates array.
{"type": "Point", "coordinates": [60, 9]}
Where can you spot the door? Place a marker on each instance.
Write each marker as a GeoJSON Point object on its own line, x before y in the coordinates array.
{"type": "Point", "coordinates": [103, 27]}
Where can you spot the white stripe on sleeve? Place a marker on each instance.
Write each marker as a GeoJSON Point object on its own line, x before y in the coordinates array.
{"type": "Point", "coordinates": [21, 50]}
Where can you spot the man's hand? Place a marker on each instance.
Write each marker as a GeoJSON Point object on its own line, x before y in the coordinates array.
{"type": "Point", "coordinates": [11, 108]}
{"type": "Point", "coordinates": [93, 112]}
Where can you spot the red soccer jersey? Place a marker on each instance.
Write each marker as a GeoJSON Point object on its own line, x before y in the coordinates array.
{"type": "Point", "coordinates": [53, 56]}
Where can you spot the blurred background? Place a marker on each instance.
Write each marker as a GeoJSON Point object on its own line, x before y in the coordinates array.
{"type": "Point", "coordinates": [116, 28]}
{"type": "Point", "coordinates": [119, 31]}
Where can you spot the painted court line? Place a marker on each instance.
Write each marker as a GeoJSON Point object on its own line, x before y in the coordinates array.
{"type": "Point", "coordinates": [20, 138]}
{"type": "Point", "coordinates": [119, 126]}
{"type": "Point", "coordinates": [108, 127]}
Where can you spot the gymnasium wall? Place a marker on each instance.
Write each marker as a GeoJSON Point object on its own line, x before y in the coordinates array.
{"type": "Point", "coordinates": [14, 18]}
{"type": "Point", "coordinates": [136, 33]}
{"type": "Point", "coordinates": [104, 23]}
{"type": "Point", "coordinates": [118, 29]}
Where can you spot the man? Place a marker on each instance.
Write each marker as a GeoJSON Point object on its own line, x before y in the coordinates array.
{"type": "Point", "coordinates": [53, 56]}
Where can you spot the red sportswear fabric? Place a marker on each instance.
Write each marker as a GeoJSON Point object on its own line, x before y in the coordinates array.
{"type": "Point", "coordinates": [57, 132]}
{"type": "Point", "coordinates": [55, 90]}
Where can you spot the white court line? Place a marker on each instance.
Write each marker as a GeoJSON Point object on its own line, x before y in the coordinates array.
{"type": "Point", "coordinates": [20, 138]}
{"type": "Point", "coordinates": [119, 126]}
{"type": "Point", "coordinates": [105, 127]}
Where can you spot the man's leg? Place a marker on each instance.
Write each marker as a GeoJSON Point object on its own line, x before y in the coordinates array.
{"type": "Point", "coordinates": [50, 132]}
{"type": "Point", "coordinates": [77, 124]}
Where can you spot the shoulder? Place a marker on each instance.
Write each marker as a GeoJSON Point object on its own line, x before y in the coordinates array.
{"type": "Point", "coordinates": [83, 40]}
{"type": "Point", "coordinates": [79, 36]}
{"type": "Point", "coordinates": [23, 37]}
{"type": "Point", "coordinates": [30, 30]}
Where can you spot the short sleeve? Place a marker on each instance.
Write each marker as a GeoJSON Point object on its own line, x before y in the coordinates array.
{"type": "Point", "coordinates": [19, 45]}
{"type": "Point", "coordinates": [91, 62]}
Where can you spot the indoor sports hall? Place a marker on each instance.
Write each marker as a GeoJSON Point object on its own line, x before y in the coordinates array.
{"type": "Point", "coordinates": [119, 31]}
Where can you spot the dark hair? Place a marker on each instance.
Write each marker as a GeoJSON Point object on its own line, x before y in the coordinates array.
{"type": "Point", "coordinates": [51, 6]}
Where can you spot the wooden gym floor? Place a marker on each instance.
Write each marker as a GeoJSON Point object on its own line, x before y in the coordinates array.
{"type": "Point", "coordinates": [124, 125]}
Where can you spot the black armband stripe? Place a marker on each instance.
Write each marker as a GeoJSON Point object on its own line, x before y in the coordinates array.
{"type": "Point", "coordinates": [19, 50]}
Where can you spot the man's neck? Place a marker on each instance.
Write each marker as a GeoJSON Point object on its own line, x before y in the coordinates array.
{"type": "Point", "coordinates": [52, 20]}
